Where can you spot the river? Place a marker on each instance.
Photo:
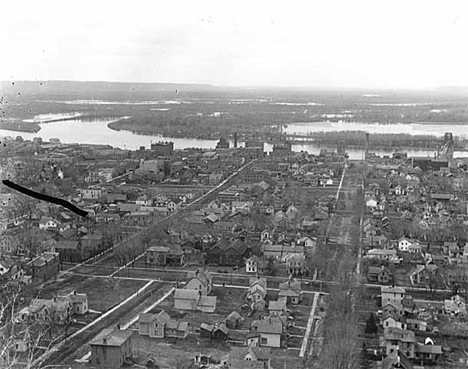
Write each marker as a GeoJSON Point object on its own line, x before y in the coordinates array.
{"type": "Point", "coordinates": [435, 129]}
{"type": "Point", "coordinates": [97, 132]}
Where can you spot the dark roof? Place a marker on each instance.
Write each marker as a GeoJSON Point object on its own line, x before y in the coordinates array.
{"type": "Point", "coordinates": [111, 337]}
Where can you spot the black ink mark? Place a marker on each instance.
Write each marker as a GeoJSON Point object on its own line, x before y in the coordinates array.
{"type": "Point", "coordinates": [47, 198]}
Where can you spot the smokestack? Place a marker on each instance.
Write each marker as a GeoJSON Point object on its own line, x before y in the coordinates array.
{"type": "Point", "coordinates": [235, 140]}
{"type": "Point", "coordinates": [367, 144]}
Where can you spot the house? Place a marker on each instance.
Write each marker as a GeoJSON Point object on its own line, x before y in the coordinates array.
{"type": "Point", "coordinates": [161, 325]}
{"type": "Point", "coordinates": [270, 333]}
{"type": "Point", "coordinates": [423, 273]}
{"type": "Point", "coordinates": [207, 304]}
{"type": "Point", "coordinates": [91, 193]}
{"type": "Point", "coordinates": [257, 289]}
{"type": "Point", "coordinates": [255, 265]}
{"type": "Point", "coordinates": [8, 245]}
{"type": "Point", "coordinates": [251, 353]}
{"type": "Point", "coordinates": [111, 348]}
{"type": "Point", "coordinates": [404, 243]}
{"type": "Point", "coordinates": [187, 299]}
{"type": "Point", "coordinates": [79, 302]}
{"type": "Point", "coordinates": [383, 255]}
{"type": "Point", "coordinates": [175, 256]}
{"type": "Point", "coordinates": [228, 252]}
{"type": "Point", "coordinates": [428, 353]}
{"type": "Point", "coordinates": [455, 305]}
{"type": "Point", "coordinates": [57, 309]}
{"type": "Point", "coordinates": [391, 322]}
{"type": "Point", "coordinates": [390, 310]}
{"type": "Point", "coordinates": [277, 308]}
{"type": "Point", "coordinates": [278, 251]}
{"type": "Point", "coordinates": [291, 292]}
{"type": "Point", "coordinates": [144, 200]}
{"type": "Point", "coordinates": [415, 248]}
{"type": "Point", "coordinates": [206, 330]}
{"type": "Point", "coordinates": [416, 325]}
{"type": "Point", "coordinates": [395, 339]}
{"type": "Point", "coordinates": [10, 270]}
{"type": "Point", "coordinates": [397, 360]}
{"type": "Point", "coordinates": [379, 274]}
{"type": "Point", "coordinates": [451, 249]}
{"type": "Point", "coordinates": [200, 280]}
{"type": "Point", "coordinates": [220, 332]}
{"type": "Point", "coordinates": [144, 324]}
{"type": "Point", "coordinates": [156, 255]}
{"type": "Point", "coordinates": [393, 295]}
{"type": "Point", "coordinates": [48, 224]}
{"type": "Point", "coordinates": [234, 320]}
{"type": "Point", "coordinates": [371, 203]}
{"type": "Point", "coordinates": [69, 250]}
{"type": "Point", "coordinates": [295, 264]}
{"type": "Point", "coordinates": [44, 266]}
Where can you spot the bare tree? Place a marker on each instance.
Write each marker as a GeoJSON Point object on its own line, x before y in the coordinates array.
{"type": "Point", "coordinates": [21, 340]}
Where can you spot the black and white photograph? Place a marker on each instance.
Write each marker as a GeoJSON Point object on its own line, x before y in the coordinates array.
{"type": "Point", "coordinates": [234, 184]}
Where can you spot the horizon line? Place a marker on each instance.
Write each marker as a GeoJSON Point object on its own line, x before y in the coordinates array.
{"type": "Point", "coordinates": [260, 86]}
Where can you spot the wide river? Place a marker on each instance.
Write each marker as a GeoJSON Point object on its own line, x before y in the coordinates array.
{"type": "Point", "coordinates": [97, 132]}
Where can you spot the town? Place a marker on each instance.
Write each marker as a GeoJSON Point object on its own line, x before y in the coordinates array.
{"type": "Point", "coordinates": [233, 257]}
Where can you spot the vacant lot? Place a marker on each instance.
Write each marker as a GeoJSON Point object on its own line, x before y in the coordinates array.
{"type": "Point", "coordinates": [102, 293]}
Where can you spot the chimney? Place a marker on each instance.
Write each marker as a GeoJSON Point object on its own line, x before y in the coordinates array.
{"type": "Point", "coordinates": [104, 340]}
{"type": "Point", "coordinates": [74, 292]}
{"type": "Point", "coordinates": [118, 327]}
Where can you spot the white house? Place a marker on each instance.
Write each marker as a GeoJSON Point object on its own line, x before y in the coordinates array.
{"type": "Point", "coordinates": [91, 193]}
{"type": "Point", "coordinates": [47, 223]}
{"type": "Point", "coordinates": [253, 265]}
{"type": "Point", "coordinates": [392, 295]}
{"type": "Point", "coordinates": [404, 244]}
{"type": "Point", "coordinates": [269, 331]}
{"type": "Point", "coordinates": [371, 203]}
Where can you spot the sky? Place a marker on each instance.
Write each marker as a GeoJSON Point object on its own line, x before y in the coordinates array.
{"type": "Point", "coordinates": [316, 43]}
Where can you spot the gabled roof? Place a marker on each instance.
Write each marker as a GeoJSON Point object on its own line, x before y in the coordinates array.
{"type": "Point", "coordinates": [184, 294]}
{"type": "Point", "coordinates": [234, 316]}
{"type": "Point", "coordinates": [221, 327]}
{"type": "Point", "coordinates": [158, 249]}
{"type": "Point", "coordinates": [209, 301]}
{"type": "Point", "coordinates": [265, 326]}
{"type": "Point", "coordinates": [277, 305]}
{"type": "Point", "coordinates": [67, 245]}
{"type": "Point", "coordinates": [245, 364]}
{"type": "Point", "coordinates": [376, 270]}
{"type": "Point", "coordinates": [111, 337]}
{"type": "Point", "coordinates": [207, 327]}
{"type": "Point", "coordinates": [430, 349]}
{"type": "Point", "coordinates": [145, 318]}
{"type": "Point", "coordinates": [257, 280]}
{"type": "Point", "coordinates": [162, 317]}
{"type": "Point", "coordinates": [203, 276]}
{"type": "Point", "coordinates": [44, 258]}
{"type": "Point", "coordinates": [392, 289]}
{"type": "Point", "coordinates": [391, 361]}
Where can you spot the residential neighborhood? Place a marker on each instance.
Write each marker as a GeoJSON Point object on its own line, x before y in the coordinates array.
{"type": "Point", "coordinates": [236, 258]}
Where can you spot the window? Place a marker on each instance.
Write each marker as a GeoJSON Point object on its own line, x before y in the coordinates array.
{"type": "Point", "coordinates": [263, 341]}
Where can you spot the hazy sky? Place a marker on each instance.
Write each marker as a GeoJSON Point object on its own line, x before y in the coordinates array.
{"type": "Point", "coordinates": [347, 43]}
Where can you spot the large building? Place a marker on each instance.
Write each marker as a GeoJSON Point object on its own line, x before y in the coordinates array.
{"type": "Point", "coordinates": [163, 148]}
{"type": "Point", "coordinates": [111, 348]}
{"type": "Point", "coordinates": [429, 164]}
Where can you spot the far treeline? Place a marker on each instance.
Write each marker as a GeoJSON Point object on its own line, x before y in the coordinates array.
{"type": "Point", "coordinates": [393, 140]}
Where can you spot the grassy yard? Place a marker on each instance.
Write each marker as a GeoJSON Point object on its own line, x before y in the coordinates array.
{"type": "Point", "coordinates": [102, 293]}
